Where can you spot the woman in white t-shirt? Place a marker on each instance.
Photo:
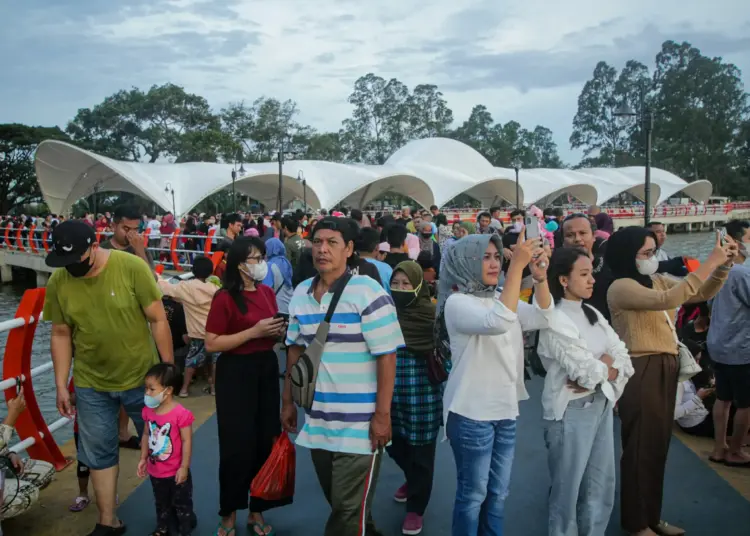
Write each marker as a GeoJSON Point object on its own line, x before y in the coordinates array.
{"type": "Point", "coordinates": [587, 368]}
{"type": "Point", "coordinates": [484, 326]}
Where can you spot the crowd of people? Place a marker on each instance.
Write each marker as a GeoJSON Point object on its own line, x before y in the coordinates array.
{"type": "Point", "coordinates": [404, 324]}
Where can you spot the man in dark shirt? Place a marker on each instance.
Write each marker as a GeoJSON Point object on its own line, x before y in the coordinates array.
{"type": "Point", "coordinates": [577, 232]}
{"type": "Point", "coordinates": [126, 238]}
{"type": "Point", "coordinates": [395, 235]}
{"type": "Point", "coordinates": [293, 243]}
{"type": "Point", "coordinates": [234, 228]}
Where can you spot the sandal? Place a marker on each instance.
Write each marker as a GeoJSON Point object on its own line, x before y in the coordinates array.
{"type": "Point", "coordinates": [254, 526]}
{"type": "Point", "coordinates": [209, 391]}
{"type": "Point", "coordinates": [183, 395]}
{"type": "Point", "coordinates": [80, 504]}
{"type": "Point", "coordinates": [227, 531]}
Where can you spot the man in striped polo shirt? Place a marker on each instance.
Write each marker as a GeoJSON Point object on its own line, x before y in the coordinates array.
{"type": "Point", "coordinates": [350, 420]}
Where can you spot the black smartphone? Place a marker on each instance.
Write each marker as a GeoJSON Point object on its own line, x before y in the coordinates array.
{"type": "Point", "coordinates": [284, 316]}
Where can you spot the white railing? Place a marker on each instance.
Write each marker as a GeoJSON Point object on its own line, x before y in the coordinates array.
{"type": "Point", "coordinates": [9, 383]}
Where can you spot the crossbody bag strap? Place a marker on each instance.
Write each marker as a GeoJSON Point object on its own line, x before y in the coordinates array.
{"type": "Point", "coordinates": [671, 325]}
{"type": "Point", "coordinates": [322, 334]}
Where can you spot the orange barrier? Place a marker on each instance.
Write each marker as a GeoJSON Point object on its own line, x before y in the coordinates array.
{"type": "Point", "coordinates": [216, 258]}
{"type": "Point", "coordinates": [32, 245]}
{"type": "Point", "coordinates": [45, 236]}
{"type": "Point", "coordinates": [145, 237]}
{"type": "Point", "coordinates": [19, 240]}
{"type": "Point", "coordinates": [17, 363]}
{"type": "Point", "coordinates": [173, 254]}
{"type": "Point", "coordinates": [7, 238]}
{"type": "Point", "coordinates": [209, 241]}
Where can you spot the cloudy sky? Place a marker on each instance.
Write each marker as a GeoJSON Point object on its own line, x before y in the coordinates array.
{"type": "Point", "coordinates": [524, 60]}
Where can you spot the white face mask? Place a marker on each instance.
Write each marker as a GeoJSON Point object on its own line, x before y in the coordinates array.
{"type": "Point", "coordinates": [257, 272]}
{"type": "Point", "coordinates": [648, 266]}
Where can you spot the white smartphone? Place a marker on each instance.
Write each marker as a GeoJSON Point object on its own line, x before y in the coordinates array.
{"type": "Point", "coordinates": [723, 236]}
{"type": "Point", "coordinates": [532, 227]}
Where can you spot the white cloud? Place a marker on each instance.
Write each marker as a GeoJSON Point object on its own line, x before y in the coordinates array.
{"type": "Point", "coordinates": [523, 60]}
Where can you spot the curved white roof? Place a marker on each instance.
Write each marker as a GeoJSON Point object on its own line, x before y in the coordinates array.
{"type": "Point", "coordinates": [430, 171]}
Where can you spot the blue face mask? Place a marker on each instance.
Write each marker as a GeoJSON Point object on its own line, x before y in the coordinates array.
{"type": "Point", "coordinates": [154, 402]}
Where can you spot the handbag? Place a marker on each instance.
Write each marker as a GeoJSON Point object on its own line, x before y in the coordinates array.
{"type": "Point", "coordinates": [689, 367]}
{"type": "Point", "coordinates": [304, 373]}
{"type": "Point", "coordinates": [439, 360]}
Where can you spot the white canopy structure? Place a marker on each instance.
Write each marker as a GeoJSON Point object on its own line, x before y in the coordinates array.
{"type": "Point", "coordinates": [431, 171]}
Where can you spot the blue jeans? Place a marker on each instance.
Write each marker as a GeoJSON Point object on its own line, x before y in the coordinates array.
{"type": "Point", "coordinates": [581, 457]}
{"type": "Point", "coordinates": [98, 424]}
{"type": "Point", "coordinates": [483, 451]}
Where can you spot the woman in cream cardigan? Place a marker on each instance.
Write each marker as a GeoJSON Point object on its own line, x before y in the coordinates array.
{"type": "Point", "coordinates": [587, 369]}
{"type": "Point", "coordinates": [642, 304]}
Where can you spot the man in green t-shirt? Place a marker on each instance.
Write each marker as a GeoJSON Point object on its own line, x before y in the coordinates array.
{"type": "Point", "coordinates": [102, 303]}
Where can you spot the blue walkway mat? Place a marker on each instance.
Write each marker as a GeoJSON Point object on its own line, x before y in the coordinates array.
{"type": "Point", "coordinates": [696, 498]}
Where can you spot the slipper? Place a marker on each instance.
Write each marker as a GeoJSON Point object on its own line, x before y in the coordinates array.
{"type": "Point", "coordinates": [207, 390]}
{"type": "Point", "coordinates": [79, 504]}
{"type": "Point", "coordinates": [183, 395]}
{"type": "Point", "coordinates": [720, 461]}
{"type": "Point", "coordinates": [262, 526]}
{"type": "Point", "coordinates": [226, 530]}
{"type": "Point", "coordinates": [131, 443]}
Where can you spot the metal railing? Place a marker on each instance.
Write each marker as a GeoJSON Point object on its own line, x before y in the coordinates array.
{"type": "Point", "coordinates": [628, 211]}
{"type": "Point", "coordinates": [38, 242]}
{"type": "Point", "coordinates": [32, 429]}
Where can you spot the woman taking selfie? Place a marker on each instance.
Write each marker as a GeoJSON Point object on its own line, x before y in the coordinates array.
{"type": "Point", "coordinates": [484, 325]}
{"type": "Point", "coordinates": [587, 368]}
{"type": "Point", "coordinates": [642, 304]}
{"type": "Point", "coordinates": [243, 327]}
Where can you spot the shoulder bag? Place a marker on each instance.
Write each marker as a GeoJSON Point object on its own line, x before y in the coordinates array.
{"type": "Point", "coordinates": [689, 367]}
{"type": "Point", "coordinates": [304, 373]}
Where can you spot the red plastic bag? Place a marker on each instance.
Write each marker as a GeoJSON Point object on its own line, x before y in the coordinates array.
{"type": "Point", "coordinates": [275, 480]}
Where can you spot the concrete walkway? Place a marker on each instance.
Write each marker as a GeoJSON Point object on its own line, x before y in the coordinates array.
{"type": "Point", "coordinates": [696, 497]}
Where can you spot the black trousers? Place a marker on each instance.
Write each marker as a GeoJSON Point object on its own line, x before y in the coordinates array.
{"type": "Point", "coordinates": [170, 498]}
{"type": "Point", "coordinates": [418, 464]}
{"type": "Point", "coordinates": [248, 400]}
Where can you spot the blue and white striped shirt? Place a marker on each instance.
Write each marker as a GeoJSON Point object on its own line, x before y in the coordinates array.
{"type": "Point", "coordinates": [363, 327]}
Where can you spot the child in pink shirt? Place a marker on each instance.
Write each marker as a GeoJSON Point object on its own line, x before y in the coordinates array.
{"type": "Point", "coordinates": [166, 448]}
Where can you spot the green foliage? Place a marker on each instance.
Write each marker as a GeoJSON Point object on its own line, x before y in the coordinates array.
{"type": "Point", "coordinates": [18, 185]}
{"type": "Point", "coordinates": [699, 106]}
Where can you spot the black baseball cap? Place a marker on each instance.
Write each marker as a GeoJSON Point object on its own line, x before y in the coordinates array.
{"type": "Point", "coordinates": [70, 240]}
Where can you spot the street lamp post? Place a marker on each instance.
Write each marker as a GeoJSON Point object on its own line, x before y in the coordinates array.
{"type": "Point", "coordinates": [169, 190]}
{"type": "Point", "coordinates": [518, 188]}
{"type": "Point", "coordinates": [301, 178]}
{"type": "Point", "coordinates": [281, 154]}
{"type": "Point", "coordinates": [645, 117]}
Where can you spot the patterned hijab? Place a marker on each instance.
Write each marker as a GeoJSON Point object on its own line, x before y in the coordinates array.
{"type": "Point", "coordinates": [461, 268]}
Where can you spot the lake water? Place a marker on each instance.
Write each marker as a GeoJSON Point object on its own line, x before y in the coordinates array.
{"type": "Point", "coordinates": [697, 245]}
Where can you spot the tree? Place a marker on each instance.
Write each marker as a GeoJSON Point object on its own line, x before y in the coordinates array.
{"type": "Point", "coordinates": [510, 144]}
{"type": "Point", "coordinates": [138, 126]}
{"type": "Point", "coordinates": [18, 183]}
{"type": "Point", "coordinates": [429, 115]}
{"type": "Point", "coordinates": [595, 128]}
{"type": "Point", "coordinates": [701, 104]}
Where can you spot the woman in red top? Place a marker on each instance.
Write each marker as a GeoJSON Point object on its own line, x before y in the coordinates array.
{"type": "Point", "coordinates": [242, 326]}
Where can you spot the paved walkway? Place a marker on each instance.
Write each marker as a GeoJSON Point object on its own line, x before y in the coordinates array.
{"type": "Point", "coordinates": [696, 497]}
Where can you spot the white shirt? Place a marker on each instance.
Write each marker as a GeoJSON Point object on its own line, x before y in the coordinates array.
{"type": "Point", "coordinates": [661, 255]}
{"type": "Point", "coordinates": [689, 409]}
{"type": "Point", "coordinates": [570, 349]}
{"type": "Point", "coordinates": [486, 380]}
{"type": "Point", "coordinates": [155, 227]}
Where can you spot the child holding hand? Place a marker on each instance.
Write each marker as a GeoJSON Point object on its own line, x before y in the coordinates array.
{"type": "Point", "coordinates": [166, 448]}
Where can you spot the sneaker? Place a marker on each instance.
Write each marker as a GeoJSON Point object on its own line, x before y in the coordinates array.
{"type": "Point", "coordinates": [401, 494]}
{"type": "Point", "coordinates": [412, 524]}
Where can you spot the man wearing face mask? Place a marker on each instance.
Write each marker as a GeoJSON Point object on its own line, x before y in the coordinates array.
{"type": "Point", "coordinates": [107, 305]}
{"type": "Point", "coordinates": [729, 345]}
